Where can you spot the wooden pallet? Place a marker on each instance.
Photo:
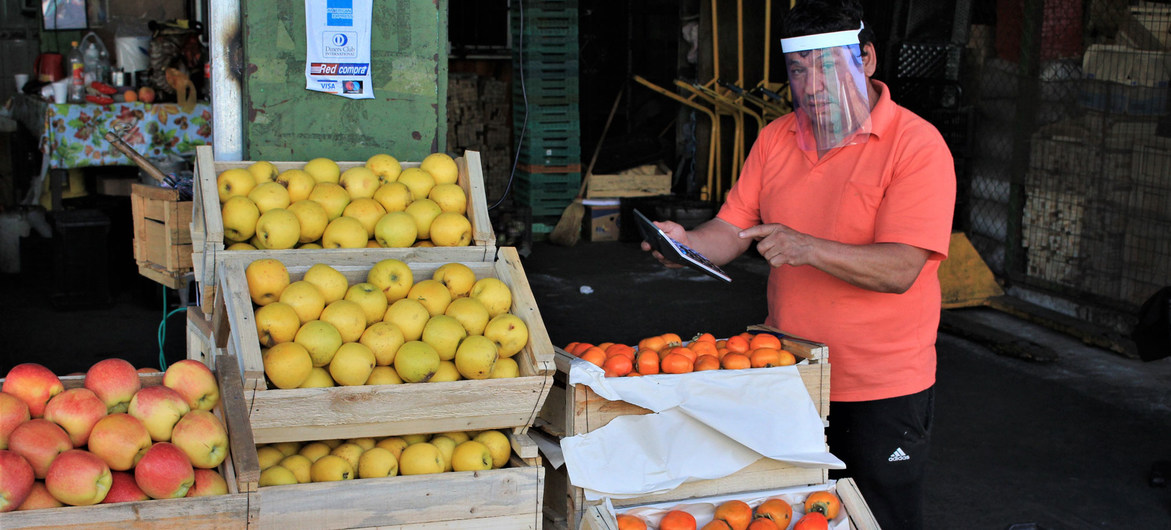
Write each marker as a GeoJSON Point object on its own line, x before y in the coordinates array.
{"type": "Point", "coordinates": [576, 409]}
{"type": "Point", "coordinates": [162, 234]}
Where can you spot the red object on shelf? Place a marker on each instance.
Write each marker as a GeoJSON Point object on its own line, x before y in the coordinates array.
{"type": "Point", "coordinates": [1061, 29]}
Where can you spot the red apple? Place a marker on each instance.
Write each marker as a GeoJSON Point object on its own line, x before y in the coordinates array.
{"type": "Point", "coordinates": [159, 409]}
{"type": "Point", "coordinates": [123, 489]}
{"type": "Point", "coordinates": [114, 381]}
{"type": "Point", "coordinates": [34, 384]}
{"type": "Point", "coordinates": [39, 498]}
{"type": "Point", "coordinates": [146, 94]}
{"type": "Point", "coordinates": [39, 441]}
{"type": "Point", "coordinates": [164, 472]}
{"type": "Point", "coordinates": [208, 482]}
{"type": "Point", "coordinates": [13, 412]}
{"type": "Point", "coordinates": [120, 440]}
{"type": "Point", "coordinates": [195, 382]}
{"type": "Point", "coordinates": [202, 436]}
{"type": "Point", "coordinates": [16, 480]}
{"type": "Point", "coordinates": [76, 410]}
{"type": "Point", "coordinates": [78, 478]}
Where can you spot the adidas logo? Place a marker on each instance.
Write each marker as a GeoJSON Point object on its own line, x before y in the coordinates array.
{"type": "Point", "coordinates": [898, 455]}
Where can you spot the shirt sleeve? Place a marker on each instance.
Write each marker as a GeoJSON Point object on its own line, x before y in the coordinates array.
{"type": "Point", "coordinates": [742, 205]}
{"type": "Point", "coordinates": [918, 205]}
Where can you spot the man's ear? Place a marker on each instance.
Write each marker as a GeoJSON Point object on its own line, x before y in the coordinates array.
{"type": "Point", "coordinates": [869, 59]}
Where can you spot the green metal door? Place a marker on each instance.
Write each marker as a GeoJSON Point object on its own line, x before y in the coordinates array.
{"type": "Point", "coordinates": [407, 118]}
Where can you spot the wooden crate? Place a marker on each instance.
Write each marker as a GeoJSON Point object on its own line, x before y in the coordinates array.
{"type": "Point", "coordinates": [207, 226]}
{"type": "Point", "coordinates": [642, 181]}
{"type": "Point", "coordinates": [857, 512]}
{"type": "Point", "coordinates": [162, 234]}
{"type": "Point", "coordinates": [384, 410]}
{"type": "Point", "coordinates": [222, 511]}
{"type": "Point", "coordinates": [577, 409]}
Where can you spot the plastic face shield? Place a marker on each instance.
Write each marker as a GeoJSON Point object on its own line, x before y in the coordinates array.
{"type": "Point", "coordinates": [828, 82]}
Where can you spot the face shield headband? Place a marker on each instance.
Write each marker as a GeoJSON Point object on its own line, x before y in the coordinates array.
{"type": "Point", "coordinates": [828, 82]}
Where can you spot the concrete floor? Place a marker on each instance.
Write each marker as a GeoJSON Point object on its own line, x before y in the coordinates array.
{"type": "Point", "coordinates": [1066, 444]}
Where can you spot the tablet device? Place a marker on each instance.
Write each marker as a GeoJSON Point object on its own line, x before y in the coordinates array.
{"type": "Point", "coordinates": [676, 251]}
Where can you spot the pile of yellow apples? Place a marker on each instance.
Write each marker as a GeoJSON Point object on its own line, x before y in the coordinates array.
{"type": "Point", "coordinates": [377, 205]}
{"type": "Point", "coordinates": [357, 458]}
{"type": "Point", "coordinates": [111, 440]}
{"type": "Point", "coordinates": [321, 331]}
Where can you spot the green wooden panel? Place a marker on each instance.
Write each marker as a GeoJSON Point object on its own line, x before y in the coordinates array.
{"type": "Point", "coordinates": [407, 118]}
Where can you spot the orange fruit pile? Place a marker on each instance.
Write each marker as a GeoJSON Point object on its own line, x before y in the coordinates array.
{"type": "Point", "coordinates": [772, 514]}
{"type": "Point", "coordinates": [669, 354]}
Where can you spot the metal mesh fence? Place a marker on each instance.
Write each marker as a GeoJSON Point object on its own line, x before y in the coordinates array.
{"type": "Point", "coordinates": [1066, 180]}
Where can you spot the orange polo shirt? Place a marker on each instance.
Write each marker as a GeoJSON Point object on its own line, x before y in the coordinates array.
{"type": "Point", "coordinates": [897, 187]}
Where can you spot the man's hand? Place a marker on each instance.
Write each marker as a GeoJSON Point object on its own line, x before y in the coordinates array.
{"type": "Point", "coordinates": [781, 245]}
{"type": "Point", "coordinates": [674, 231]}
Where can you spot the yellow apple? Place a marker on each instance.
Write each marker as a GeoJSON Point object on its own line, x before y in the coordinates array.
{"type": "Point", "coordinates": [384, 339]}
{"type": "Point", "coordinates": [394, 444]}
{"type": "Point", "coordinates": [320, 339]}
{"type": "Point", "coordinates": [240, 245]}
{"type": "Point", "coordinates": [298, 182]}
{"type": "Point", "coordinates": [239, 215]}
{"type": "Point", "coordinates": [318, 378]}
{"type": "Point", "coordinates": [367, 211]}
{"type": "Point", "coordinates": [509, 332]}
{"type": "Point", "coordinates": [344, 232]}
{"type": "Point", "coordinates": [276, 323]}
{"type": "Point", "coordinates": [350, 452]}
{"type": "Point", "coordinates": [505, 368]}
{"type": "Point", "coordinates": [423, 211]}
{"type": "Point", "coordinates": [277, 475]}
{"type": "Point", "coordinates": [348, 317]}
{"type": "Point", "coordinates": [417, 180]}
{"type": "Point", "coordinates": [267, 278]}
{"type": "Point", "coordinates": [494, 294]}
{"type": "Point", "coordinates": [360, 182]}
{"type": "Point", "coordinates": [312, 219]}
{"type": "Point", "coordinates": [471, 313]}
{"type": "Point", "coordinates": [332, 197]}
{"type": "Point", "coordinates": [234, 182]}
{"type": "Point", "coordinates": [458, 278]}
{"type": "Point", "coordinates": [384, 375]}
{"type": "Point", "coordinates": [396, 230]}
{"type": "Point", "coordinates": [299, 465]}
{"type": "Point", "coordinates": [472, 456]}
{"type": "Point", "coordinates": [263, 171]}
{"type": "Point", "coordinates": [499, 444]}
{"type": "Point", "coordinates": [421, 459]}
{"type": "Point", "coordinates": [305, 298]}
{"type": "Point", "coordinates": [450, 229]}
{"type": "Point", "coordinates": [269, 196]}
{"type": "Point", "coordinates": [333, 284]}
{"type": "Point", "coordinates": [394, 196]}
{"type": "Point", "coordinates": [416, 362]}
{"type": "Point", "coordinates": [413, 439]}
{"type": "Point", "coordinates": [287, 364]}
{"type": "Point", "coordinates": [278, 229]}
{"type": "Point", "coordinates": [255, 243]}
{"type": "Point", "coordinates": [310, 246]}
{"type": "Point", "coordinates": [393, 277]}
{"type": "Point", "coordinates": [442, 167]}
{"type": "Point", "coordinates": [475, 357]}
{"type": "Point", "coordinates": [352, 364]}
{"type": "Point", "coordinates": [314, 450]}
{"type": "Point", "coordinates": [446, 448]}
{"type": "Point", "coordinates": [432, 294]}
{"type": "Point", "coordinates": [377, 463]}
{"type": "Point", "coordinates": [385, 166]}
{"type": "Point", "coordinates": [446, 372]}
{"type": "Point", "coordinates": [450, 198]}
{"type": "Point", "coordinates": [323, 170]}
{"type": "Point", "coordinates": [370, 298]}
{"type": "Point", "coordinates": [409, 315]}
{"type": "Point", "coordinates": [444, 333]}
{"type": "Point", "coordinates": [331, 468]}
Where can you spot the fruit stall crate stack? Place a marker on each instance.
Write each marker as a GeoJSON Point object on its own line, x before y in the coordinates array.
{"type": "Point", "coordinates": [162, 234]}
{"type": "Point", "coordinates": [219, 511]}
{"type": "Point", "coordinates": [386, 410]}
{"type": "Point", "coordinates": [576, 409]}
{"type": "Point", "coordinates": [546, 194]}
{"type": "Point", "coordinates": [854, 509]}
{"type": "Point", "coordinates": [207, 226]}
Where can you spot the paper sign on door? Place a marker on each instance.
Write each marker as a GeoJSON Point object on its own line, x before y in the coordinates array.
{"type": "Point", "coordinates": [337, 51]}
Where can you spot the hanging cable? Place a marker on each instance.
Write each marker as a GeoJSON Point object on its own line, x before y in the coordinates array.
{"type": "Point", "coordinates": [520, 50]}
{"type": "Point", "coordinates": [162, 333]}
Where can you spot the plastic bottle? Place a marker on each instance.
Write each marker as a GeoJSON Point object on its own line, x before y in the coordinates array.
{"type": "Point", "coordinates": [76, 71]}
{"type": "Point", "coordinates": [97, 59]}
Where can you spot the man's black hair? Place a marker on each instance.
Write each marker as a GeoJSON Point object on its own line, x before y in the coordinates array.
{"type": "Point", "coordinates": [811, 17]}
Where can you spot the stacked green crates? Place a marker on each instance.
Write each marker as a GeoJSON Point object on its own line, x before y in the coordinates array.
{"type": "Point", "coordinates": [545, 53]}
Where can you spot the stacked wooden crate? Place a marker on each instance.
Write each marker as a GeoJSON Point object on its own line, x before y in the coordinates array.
{"type": "Point", "coordinates": [162, 234]}
{"type": "Point", "coordinates": [546, 116]}
{"type": "Point", "coordinates": [478, 120]}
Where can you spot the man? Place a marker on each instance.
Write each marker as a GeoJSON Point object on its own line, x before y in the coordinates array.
{"type": "Point", "coordinates": [850, 199]}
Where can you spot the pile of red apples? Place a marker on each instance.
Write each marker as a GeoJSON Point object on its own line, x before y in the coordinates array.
{"type": "Point", "coordinates": [111, 440]}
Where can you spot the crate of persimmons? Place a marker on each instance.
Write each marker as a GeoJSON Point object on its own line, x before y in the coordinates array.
{"type": "Point", "coordinates": [574, 409]}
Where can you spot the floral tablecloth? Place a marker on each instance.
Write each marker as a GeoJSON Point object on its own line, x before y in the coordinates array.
{"type": "Point", "coordinates": [73, 134]}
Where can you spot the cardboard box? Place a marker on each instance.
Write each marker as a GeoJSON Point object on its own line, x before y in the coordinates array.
{"type": "Point", "coordinates": [603, 220]}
